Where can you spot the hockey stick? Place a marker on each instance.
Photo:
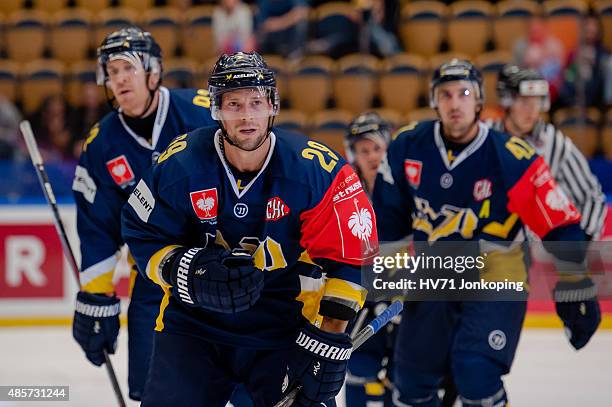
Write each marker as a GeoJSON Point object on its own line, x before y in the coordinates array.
{"type": "Point", "coordinates": [37, 160]}
{"type": "Point", "coordinates": [362, 336]}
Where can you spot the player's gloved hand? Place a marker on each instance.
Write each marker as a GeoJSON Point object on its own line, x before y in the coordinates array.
{"type": "Point", "coordinates": [214, 279]}
{"type": "Point", "coordinates": [319, 364]}
{"type": "Point", "coordinates": [96, 324]}
{"type": "Point", "coordinates": [578, 308]}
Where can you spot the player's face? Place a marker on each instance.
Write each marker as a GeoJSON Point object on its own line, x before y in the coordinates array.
{"type": "Point", "coordinates": [129, 85]}
{"type": "Point", "coordinates": [245, 114]}
{"type": "Point", "coordinates": [457, 107]}
{"type": "Point", "coordinates": [525, 112]}
{"type": "Point", "coordinates": [368, 156]}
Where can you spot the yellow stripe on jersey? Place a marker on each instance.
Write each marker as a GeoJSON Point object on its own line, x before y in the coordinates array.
{"type": "Point", "coordinates": [311, 292]}
{"type": "Point", "coordinates": [153, 271]}
{"type": "Point", "coordinates": [159, 321]}
{"type": "Point", "coordinates": [501, 265]}
{"type": "Point", "coordinates": [101, 284]}
{"type": "Point", "coordinates": [346, 291]}
{"type": "Point", "coordinates": [305, 258]}
{"type": "Point", "coordinates": [501, 230]}
{"type": "Point", "coordinates": [374, 388]}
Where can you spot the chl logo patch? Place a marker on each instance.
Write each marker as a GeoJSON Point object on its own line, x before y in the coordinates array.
{"type": "Point", "coordinates": [497, 339]}
{"type": "Point", "coordinates": [276, 209]}
{"type": "Point", "coordinates": [482, 189]}
{"type": "Point", "coordinates": [120, 170]}
{"type": "Point", "coordinates": [205, 204]}
{"type": "Point", "coordinates": [413, 169]}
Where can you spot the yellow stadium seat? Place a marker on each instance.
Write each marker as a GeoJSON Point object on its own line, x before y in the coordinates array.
{"type": "Point", "coordinates": [604, 10]}
{"type": "Point", "coordinates": [69, 37]}
{"type": "Point", "coordinates": [163, 23]}
{"type": "Point", "coordinates": [355, 82]}
{"type": "Point", "coordinates": [49, 6]}
{"type": "Point", "coordinates": [309, 84]}
{"type": "Point", "coordinates": [79, 73]}
{"type": "Point", "coordinates": [422, 27]}
{"type": "Point", "coordinates": [419, 115]}
{"type": "Point", "coordinates": [512, 22]}
{"type": "Point", "coordinates": [291, 120]}
{"type": "Point", "coordinates": [180, 72]}
{"type": "Point", "coordinates": [391, 116]}
{"type": "Point", "coordinates": [197, 36]}
{"type": "Point", "coordinates": [490, 64]}
{"type": "Point", "coordinates": [563, 20]}
{"type": "Point", "coordinates": [279, 66]}
{"type": "Point", "coordinates": [138, 5]}
{"type": "Point", "coordinates": [9, 6]}
{"type": "Point", "coordinates": [26, 35]}
{"type": "Point", "coordinates": [580, 127]}
{"type": "Point", "coordinates": [112, 19]}
{"type": "Point", "coordinates": [95, 6]}
{"type": "Point", "coordinates": [469, 27]}
{"type": "Point", "coordinates": [9, 72]}
{"type": "Point", "coordinates": [329, 127]}
{"type": "Point", "coordinates": [400, 81]}
{"type": "Point", "coordinates": [41, 78]}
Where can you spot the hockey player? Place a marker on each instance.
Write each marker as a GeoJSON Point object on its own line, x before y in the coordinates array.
{"type": "Point", "coordinates": [115, 154]}
{"type": "Point", "coordinates": [453, 179]}
{"type": "Point", "coordinates": [367, 383]}
{"type": "Point", "coordinates": [257, 238]}
{"type": "Point", "coordinates": [523, 93]}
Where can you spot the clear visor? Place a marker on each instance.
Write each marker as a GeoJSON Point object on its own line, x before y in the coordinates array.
{"type": "Point", "coordinates": [466, 88]}
{"type": "Point", "coordinates": [103, 74]}
{"type": "Point", "coordinates": [244, 103]}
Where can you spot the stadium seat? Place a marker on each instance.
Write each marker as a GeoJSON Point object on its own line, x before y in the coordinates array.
{"type": "Point", "coordinates": [581, 128]}
{"type": "Point", "coordinates": [110, 20]}
{"type": "Point", "coordinates": [25, 35]}
{"type": "Point", "coordinates": [606, 136]}
{"type": "Point", "coordinates": [419, 115]}
{"type": "Point", "coordinates": [9, 71]}
{"type": "Point", "coordinates": [309, 84]}
{"type": "Point", "coordinates": [279, 66]}
{"type": "Point", "coordinates": [95, 6]}
{"type": "Point", "coordinates": [9, 6]}
{"type": "Point", "coordinates": [563, 20]}
{"type": "Point", "coordinates": [333, 18]}
{"type": "Point", "coordinates": [329, 127]}
{"type": "Point", "coordinates": [422, 27]}
{"type": "Point", "coordinates": [41, 78]}
{"type": "Point", "coordinates": [391, 116]}
{"type": "Point", "coordinates": [400, 81]}
{"type": "Point", "coordinates": [138, 5]}
{"type": "Point", "coordinates": [490, 64]}
{"type": "Point", "coordinates": [69, 37]}
{"type": "Point", "coordinates": [291, 120]}
{"type": "Point", "coordinates": [79, 73]}
{"type": "Point", "coordinates": [180, 72]}
{"type": "Point", "coordinates": [469, 27]}
{"type": "Point", "coordinates": [512, 22]}
{"type": "Point", "coordinates": [49, 6]}
{"type": "Point", "coordinates": [163, 23]}
{"type": "Point", "coordinates": [436, 60]}
{"type": "Point", "coordinates": [604, 9]}
{"type": "Point", "coordinates": [197, 36]}
{"type": "Point", "coordinates": [355, 82]}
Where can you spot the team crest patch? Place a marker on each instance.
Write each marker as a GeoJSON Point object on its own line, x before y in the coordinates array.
{"type": "Point", "coordinates": [276, 209]}
{"type": "Point", "coordinates": [120, 170]}
{"type": "Point", "coordinates": [482, 189]}
{"type": "Point", "coordinates": [205, 204]}
{"type": "Point", "coordinates": [413, 169]}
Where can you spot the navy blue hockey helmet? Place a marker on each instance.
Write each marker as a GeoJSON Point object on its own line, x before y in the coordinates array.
{"type": "Point", "coordinates": [456, 70]}
{"type": "Point", "coordinates": [133, 45]}
{"type": "Point", "coordinates": [514, 81]}
{"type": "Point", "coordinates": [241, 70]}
{"type": "Point", "coordinates": [368, 126]}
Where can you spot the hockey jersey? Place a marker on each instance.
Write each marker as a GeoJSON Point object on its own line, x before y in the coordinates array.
{"type": "Point", "coordinates": [304, 216]}
{"type": "Point", "coordinates": [114, 158]}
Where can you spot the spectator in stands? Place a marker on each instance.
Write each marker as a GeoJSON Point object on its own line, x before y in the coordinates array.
{"type": "Point", "coordinates": [382, 38]}
{"type": "Point", "coordinates": [233, 27]}
{"type": "Point", "coordinates": [51, 128]}
{"type": "Point", "coordinates": [87, 114]}
{"type": "Point", "coordinates": [588, 68]}
{"type": "Point", "coordinates": [543, 52]}
{"type": "Point", "coordinates": [9, 130]}
{"type": "Point", "coordinates": [282, 26]}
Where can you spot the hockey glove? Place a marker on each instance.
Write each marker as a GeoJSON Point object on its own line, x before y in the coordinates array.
{"type": "Point", "coordinates": [319, 364]}
{"type": "Point", "coordinates": [96, 325]}
{"type": "Point", "coordinates": [578, 308]}
{"type": "Point", "coordinates": [214, 279]}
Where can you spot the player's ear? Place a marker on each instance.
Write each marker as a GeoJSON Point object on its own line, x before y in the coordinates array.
{"type": "Point", "coordinates": [154, 80]}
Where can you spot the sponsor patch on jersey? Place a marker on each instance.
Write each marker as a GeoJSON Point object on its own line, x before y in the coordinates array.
{"type": "Point", "coordinates": [120, 170]}
{"type": "Point", "coordinates": [142, 201]}
{"type": "Point", "coordinates": [413, 169]}
{"type": "Point", "coordinates": [241, 210]}
{"type": "Point", "coordinates": [497, 339]}
{"type": "Point", "coordinates": [205, 204]}
{"type": "Point", "coordinates": [84, 184]}
{"type": "Point", "coordinates": [276, 209]}
{"type": "Point", "coordinates": [482, 189]}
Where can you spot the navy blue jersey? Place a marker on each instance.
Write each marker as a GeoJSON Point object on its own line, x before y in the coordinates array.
{"type": "Point", "coordinates": [114, 158]}
{"type": "Point", "coordinates": [304, 214]}
{"type": "Point", "coordinates": [487, 192]}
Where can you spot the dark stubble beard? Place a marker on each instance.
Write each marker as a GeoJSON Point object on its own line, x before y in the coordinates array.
{"type": "Point", "coordinates": [249, 144]}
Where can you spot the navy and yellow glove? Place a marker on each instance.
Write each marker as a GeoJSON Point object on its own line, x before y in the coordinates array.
{"type": "Point", "coordinates": [96, 325]}
{"type": "Point", "coordinates": [577, 306]}
{"type": "Point", "coordinates": [318, 364]}
{"type": "Point", "coordinates": [214, 279]}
